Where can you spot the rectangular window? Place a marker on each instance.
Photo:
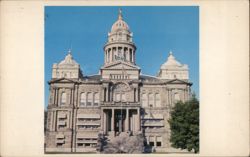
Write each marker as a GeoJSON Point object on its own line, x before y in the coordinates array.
{"type": "Point", "coordinates": [151, 143]}
{"type": "Point", "coordinates": [62, 119]}
{"type": "Point", "coordinates": [83, 99]}
{"type": "Point", "coordinates": [89, 99]}
{"type": "Point", "coordinates": [96, 99]}
{"type": "Point", "coordinates": [79, 144]}
{"type": "Point", "coordinates": [158, 144]}
{"type": "Point", "coordinates": [158, 141]}
{"type": "Point", "coordinates": [61, 126]}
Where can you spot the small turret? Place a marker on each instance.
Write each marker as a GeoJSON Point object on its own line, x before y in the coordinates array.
{"type": "Point", "coordinates": [172, 69]}
{"type": "Point", "coordinates": [67, 68]}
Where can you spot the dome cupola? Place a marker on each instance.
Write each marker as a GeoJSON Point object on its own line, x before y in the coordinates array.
{"type": "Point", "coordinates": [120, 46]}
{"type": "Point", "coordinates": [120, 25]}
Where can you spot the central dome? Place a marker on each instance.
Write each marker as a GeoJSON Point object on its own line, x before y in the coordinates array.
{"type": "Point", "coordinates": [119, 24]}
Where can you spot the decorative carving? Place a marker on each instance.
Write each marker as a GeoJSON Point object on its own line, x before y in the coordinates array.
{"type": "Point", "coordinates": [121, 87]}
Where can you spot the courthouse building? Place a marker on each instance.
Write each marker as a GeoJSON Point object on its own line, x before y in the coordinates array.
{"type": "Point", "coordinates": [118, 100]}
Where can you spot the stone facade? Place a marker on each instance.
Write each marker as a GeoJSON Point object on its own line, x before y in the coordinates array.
{"type": "Point", "coordinates": [118, 99]}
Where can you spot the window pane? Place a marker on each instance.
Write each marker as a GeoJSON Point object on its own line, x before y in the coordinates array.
{"type": "Point", "coordinates": [96, 99]}
{"type": "Point", "coordinates": [90, 99]}
{"type": "Point", "coordinates": [158, 144]}
{"type": "Point", "coordinates": [63, 98]}
{"type": "Point", "coordinates": [83, 99]}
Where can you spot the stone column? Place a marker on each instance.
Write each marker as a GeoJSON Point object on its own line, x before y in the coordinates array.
{"type": "Point", "coordinates": [112, 120]}
{"type": "Point", "coordinates": [138, 119]}
{"type": "Point", "coordinates": [56, 97]}
{"type": "Point", "coordinates": [110, 55]}
{"type": "Point", "coordinates": [51, 120]}
{"type": "Point", "coordinates": [136, 94]}
{"type": "Point", "coordinates": [107, 94]}
{"type": "Point", "coordinates": [54, 121]}
{"type": "Point", "coordinates": [104, 122]}
{"type": "Point", "coordinates": [133, 56]}
{"type": "Point", "coordinates": [74, 128]}
{"type": "Point", "coordinates": [74, 116]}
{"type": "Point", "coordinates": [69, 96]}
{"type": "Point", "coordinates": [111, 94]}
{"type": "Point", "coordinates": [75, 96]}
{"type": "Point", "coordinates": [127, 120]}
{"type": "Point", "coordinates": [68, 121]}
{"type": "Point", "coordinates": [103, 94]}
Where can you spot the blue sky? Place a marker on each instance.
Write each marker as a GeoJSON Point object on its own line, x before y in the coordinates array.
{"type": "Point", "coordinates": [156, 31]}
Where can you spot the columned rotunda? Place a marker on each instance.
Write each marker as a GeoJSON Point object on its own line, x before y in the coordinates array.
{"type": "Point", "coordinates": [116, 102]}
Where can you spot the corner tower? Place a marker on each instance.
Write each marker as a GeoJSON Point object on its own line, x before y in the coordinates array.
{"type": "Point", "coordinates": [119, 53]}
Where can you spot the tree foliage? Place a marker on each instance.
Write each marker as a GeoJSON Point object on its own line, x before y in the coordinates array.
{"type": "Point", "coordinates": [184, 125]}
{"type": "Point", "coordinates": [122, 144]}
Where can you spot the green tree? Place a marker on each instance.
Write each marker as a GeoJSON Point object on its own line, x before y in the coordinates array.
{"type": "Point", "coordinates": [184, 125]}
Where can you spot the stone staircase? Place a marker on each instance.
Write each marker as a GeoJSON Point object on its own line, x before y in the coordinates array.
{"type": "Point", "coordinates": [112, 137]}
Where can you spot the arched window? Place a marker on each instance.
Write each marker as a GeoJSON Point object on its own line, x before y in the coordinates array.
{"type": "Point", "coordinates": [144, 100]}
{"type": "Point", "coordinates": [96, 99]}
{"type": "Point", "coordinates": [157, 100]}
{"type": "Point", "coordinates": [83, 99]}
{"type": "Point", "coordinates": [89, 99]}
{"type": "Point", "coordinates": [63, 98]}
{"type": "Point", "coordinates": [151, 99]}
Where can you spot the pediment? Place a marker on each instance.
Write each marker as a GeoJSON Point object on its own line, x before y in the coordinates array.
{"type": "Point", "coordinates": [121, 65]}
{"type": "Point", "coordinates": [62, 80]}
{"type": "Point", "coordinates": [178, 81]}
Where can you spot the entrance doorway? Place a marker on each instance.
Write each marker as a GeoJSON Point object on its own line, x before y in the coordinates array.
{"type": "Point", "coordinates": [120, 116]}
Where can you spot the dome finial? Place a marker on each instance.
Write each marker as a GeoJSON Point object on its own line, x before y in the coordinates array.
{"type": "Point", "coordinates": [69, 51]}
{"type": "Point", "coordinates": [170, 53]}
{"type": "Point", "coordinates": [120, 14]}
